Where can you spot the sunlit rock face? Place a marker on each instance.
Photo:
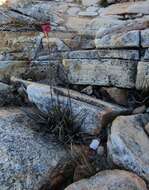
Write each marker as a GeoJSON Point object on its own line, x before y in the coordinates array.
{"type": "Point", "coordinates": [2, 2]}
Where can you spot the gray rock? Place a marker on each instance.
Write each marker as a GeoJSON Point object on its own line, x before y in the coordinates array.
{"type": "Point", "coordinates": [145, 38]}
{"type": "Point", "coordinates": [89, 2]}
{"type": "Point", "coordinates": [128, 144]}
{"type": "Point", "coordinates": [138, 7]}
{"type": "Point", "coordinates": [142, 80]}
{"type": "Point", "coordinates": [103, 72]}
{"type": "Point", "coordinates": [102, 53]}
{"type": "Point", "coordinates": [98, 23]}
{"type": "Point", "coordinates": [111, 180]}
{"type": "Point", "coordinates": [118, 39]}
{"type": "Point", "coordinates": [146, 55]}
{"type": "Point", "coordinates": [90, 111]}
{"type": "Point", "coordinates": [4, 88]}
{"type": "Point", "coordinates": [120, 96]}
{"type": "Point", "coordinates": [10, 67]}
{"type": "Point", "coordinates": [92, 9]}
{"type": "Point", "coordinates": [55, 43]}
{"type": "Point", "coordinates": [27, 155]}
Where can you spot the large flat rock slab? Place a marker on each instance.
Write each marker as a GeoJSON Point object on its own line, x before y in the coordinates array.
{"type": "Point", "coordinates": [103, 53]}
{"type": "Point", "coordinates": [27, 154]}
{"type": "Point", "coordinates": [104, 72]}
{"type": "Point", "coordinates": [127, 8]}
{"type": "Point", "coordinates": [128, 144]}
{"type": "Point", "coordinates": [91, 111]}
{"type": "Point", "coordinates": [125, 39]}
{"type": "Point", "coordinates": [111, 180]}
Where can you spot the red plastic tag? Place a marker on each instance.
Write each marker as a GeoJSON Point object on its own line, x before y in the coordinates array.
{"type": "Point", "coordinates": [46, 27]}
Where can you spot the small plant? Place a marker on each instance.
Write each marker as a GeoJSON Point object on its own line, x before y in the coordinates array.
{"type": "Point", "coordinates": [60, 122]}
{"type": "Point", "coordinates": [64, 124]}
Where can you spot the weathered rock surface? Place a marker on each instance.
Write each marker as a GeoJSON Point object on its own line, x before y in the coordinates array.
{"type": "Point", "coordinates": [110, 179]}
{"type": "Point", "coordinates": [4, 88]}
{"type": "Point", "coordinates": [76, 26]}
{"type": "Point", "coordinates": [112, 40]}
{"type": "Point", "coordinates": [147, 128]}
{"type": "Point", "coordinates": [123, 34]}
{"type": "Point", "coordinates": [104, 72]}
{"type": "Point", "coordinates": [128, 144]}
{"type": "Point", "coordinates": [146, 54]}
{"type": "Point", "coordinates": [120, 96]}
{"type": "Point", "coordinates": [103, 53]}
{"type": "Point", "coordinates": [127, 8]}
{"type": "Point", "coordinates": [20, 42]}
{"type": "Point", "coordinates": [145, 38]}
{"type": "Point", "coordinates": [142, 80]}
{"type": "Point", "coordinates": [12, 68]}
{"type": "Point", "coordinates": [27, 155]}
{"type": "Point", "coordinates": [91, 111]}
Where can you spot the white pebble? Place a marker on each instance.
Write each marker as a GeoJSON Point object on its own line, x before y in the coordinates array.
{"type": "Point", "coordinates": [94, 144]}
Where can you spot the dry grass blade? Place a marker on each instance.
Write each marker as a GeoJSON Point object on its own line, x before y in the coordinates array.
{"type": "Point", "coordinates": [60, 122]}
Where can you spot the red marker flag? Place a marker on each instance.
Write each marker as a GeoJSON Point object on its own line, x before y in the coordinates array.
{"type": "Point", "coordinates": [46, 28]}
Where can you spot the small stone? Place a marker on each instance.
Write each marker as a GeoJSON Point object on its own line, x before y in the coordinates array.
{"type": "Point", "coordinates": [94, 144]}
{"type": "Point", "coordinates": [88, 90]}
{"type": "Point", "coordinates": [140, 109]}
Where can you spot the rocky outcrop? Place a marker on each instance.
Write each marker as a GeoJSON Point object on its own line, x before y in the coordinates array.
{"type": "Point", "coordinates": [110, 179]}
{"type": "Point", "coordinates": [27, 156]}
{"type": "Point", "coordinates": [98, 37]}
{"type": "Point", "coordinates": [96, 47]}
{"type": "Point", "coordinates": [128, 144]}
